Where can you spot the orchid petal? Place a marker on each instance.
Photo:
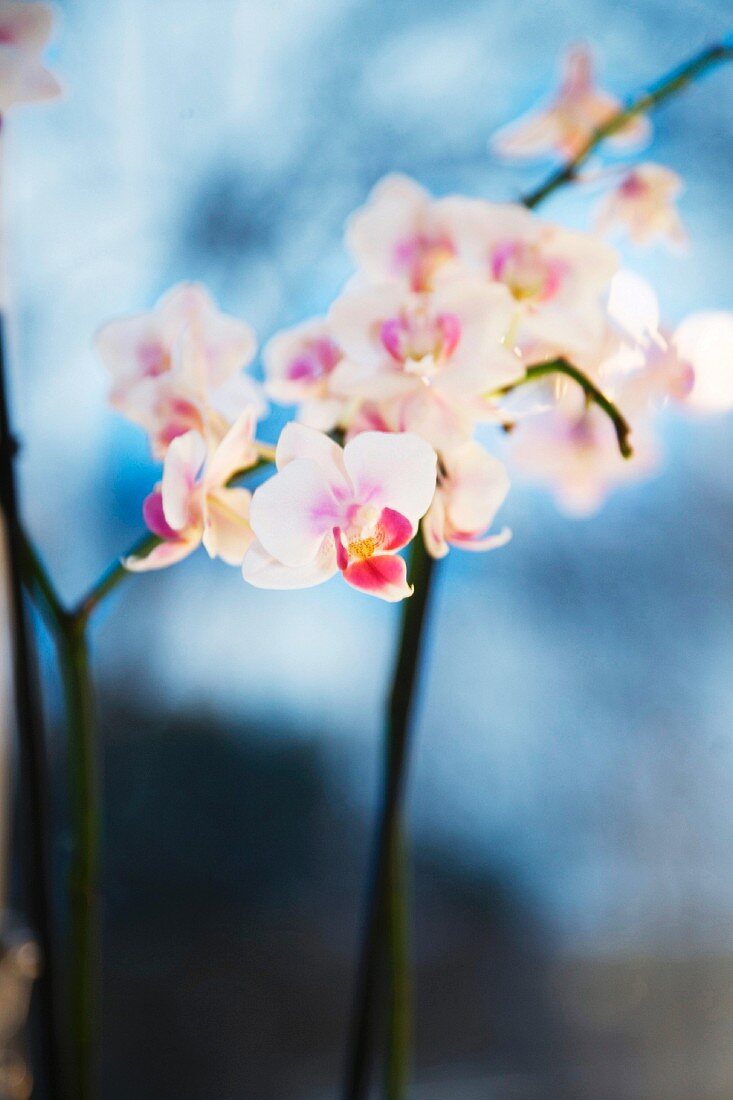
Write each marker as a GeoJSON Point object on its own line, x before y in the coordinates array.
{"type": "Point", "coordinates": [261, 570]}
{"type": "Point", "coordinates": [383, 575]}
{"type": "Point", "coordinates": [395, 528]}
{"type": "Point", "coordinates": [392, 470]}
{"type": "Point", "coordinates": [292, 512]}
{"type": "Point", "coordinates": [166, 553]}
{"type": "Point", "coordinates": [183, 461]}
{"type": "Point", "coordinates": [299, 441]}
{"type": "Point", "coordinates": [227, 533]}
{"type": "Point", "coordinates": [237, 451]}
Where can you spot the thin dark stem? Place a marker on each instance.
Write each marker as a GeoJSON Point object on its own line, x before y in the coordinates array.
{"type": "Point", "coordinates": [666, 87]}
{"type": "Point", "coordinates": [84, 875]}
{"type": "Point", "coordinates": [33, 759]}
{"type": "Point", "coordinates": [399, 971]}
{"type": "Point", "coordinates": [113, 576]}
{"type": "Point", "coordinates": [592, 392]}
{"type": "Point", "coordinates": [399, 713]}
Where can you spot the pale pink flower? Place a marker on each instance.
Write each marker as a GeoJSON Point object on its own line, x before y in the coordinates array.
{"type": "Point", "coordinates": [556, 277]}
{"type": "Point", "coordinates": [648, 362]}
{"type": "Point", "coordinates": [472, 486]}
{"type": "Point", "coordinates": [179, 367]}
{"type": "Point", "coordinates": [575, 455]}
{"type": "Point", "coordinates": [644, 204]}
{"type": "Point", "coordinates": [25, 31]}
{"type": "Point", "coordinates": [567, 123]}
{"type": "Point", "coordinates": [328, 510]}
{"type": "Point", "coordinates": [570, 446]}
{"type": "Point", "coordinates": [397, 342]}
{"type": "Point", "coordinates": [299, 362]}
{"type": "Point", "coordinates": [403, 233]}
{"type": "Point", "coordinates": [705, 341]}
{"type": "Point", "coordinates": [195, 502]}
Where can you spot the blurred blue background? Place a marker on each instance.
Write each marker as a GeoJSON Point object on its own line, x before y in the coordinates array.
{"type": "Point", "coordinates": [571, 793]}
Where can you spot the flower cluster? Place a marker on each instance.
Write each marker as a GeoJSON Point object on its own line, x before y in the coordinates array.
{"type": "Point", "coordinates": [177, 371]}
{"type": "Point", "coordinates": [456, 305]}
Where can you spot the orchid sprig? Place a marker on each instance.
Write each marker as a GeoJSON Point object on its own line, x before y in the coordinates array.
{"type": "Point", "coordinates": [456, 304]}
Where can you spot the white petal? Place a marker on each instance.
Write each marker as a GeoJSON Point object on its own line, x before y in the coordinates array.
{"type": "Point", "coordinates": [479, 484]}
{"type": "Point", "coordinates": [705, 340]}
{"type": "Point", "coordinates": [300, 441]}
{"type": "Point", "coordinates": [392, 471]}
{"type": "Point", "coordinates": [264, 571]}
{"type": "Point", "coordinates": [165, 554]}
{"type": "Point", "coordinates": [227, 533]}
{"type": "Point", "coordinates": [394, 211]}
{"type": "Point", "coordinates": [292, 512]}
{"type": "Point", "coordinates": [235, 452]}
{"type": "Point", "coordinates": [183, 460]}
{"type": "Point", "coordinates": [633, 305]}
{"type": "Point", "coordinates": [433, 528]}
{"type": "Point", "coordinates": [356, 319]}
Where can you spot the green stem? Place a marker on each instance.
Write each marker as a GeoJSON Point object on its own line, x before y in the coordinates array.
{"type": "Point", "coordinates": [662, 90]}
{"type": "Point", "coordinates": [399, 972]}
{"type": "Point", "coordinates": [592, 392]}
{"type": "Point", "coordinates": [386, 879]}
{"type": "Point", "coordinates": [69, 633]}
{"type": "Point", "coordinates": [84, 877]}
{"type": "Point", "coordinates": [113, 576]}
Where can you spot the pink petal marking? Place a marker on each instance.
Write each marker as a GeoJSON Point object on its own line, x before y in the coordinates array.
{"type": "Point", "coordinates": [392, 335]}
{"type": "Point", "coordinates": [500, 258]}
{"type": "Point", "coordinates": [384, 575]}
{"type": "Point", "coordinates": [449, 326]}
{"type": "Point", "coordinates": [394, 529]}
{"type": "Point", "coordinates": [154, 517]}
{"type": "Point", "coordinates": [342, 554]}
{"type": "Point", "coordinates": [419, 256]}
{"type": "Point", "coordinates": [316, 360]}
{"type": "Point", "coordinates": [633, 187]}
{"type": "Point", "coordinates": [153, 358]}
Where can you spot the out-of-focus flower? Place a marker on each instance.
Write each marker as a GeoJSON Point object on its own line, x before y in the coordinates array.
{"type": "Point", "coordinates": [299, 362]}
{"type": "Point", "coordinates": [396, 342]}
{"type": "Point", "coordinates": [328, 509]}
{"type": "Point", "coordinates": [566, 124]}
{"type": "Point", "coordinates": [472, 486]}
{"type": "Point", "coordinates": [25, 31]}
{"type": "Point", "coordinates": [647, 359]}
{"type": "Point", "coordinates": [705, 340]}
{"type": "Point", "coordinates": [403, 233]}
{"type": "Point", "coordinates": [179, 367]}
{"type": "Point", "coordinates": [557, 278]}
{"type": "Point", "coordinates": [574, 453]}
{"type": "Point", "coordinates": [644, 203]}
{"type": "Point", "coordinates": [189, 507]}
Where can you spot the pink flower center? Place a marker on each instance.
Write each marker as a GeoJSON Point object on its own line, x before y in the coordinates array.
{"type": "Point", "coordinates": [633, 187]}
{"type": "Point", "coordinates": [411, 339]}
{"type": "Point", "coordinates": [369, 531]}
{"type": "Point", "coordinates": [177, 416]}
{"type": "Point", "coordinates": [526, 272]}
{"type": "Point", "coordinates": [315, 361]}
{"type": "Point", "coordinates": [420, 256]}
{"type": "Point", "coordinates": [154, 359]}
{"type": "Point", "coordinates": [8, 35]}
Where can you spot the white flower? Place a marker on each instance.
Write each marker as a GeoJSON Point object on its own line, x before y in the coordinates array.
{"type": "Point", "coordinates": [472, 486]}
{"type": "Point", "coordinates": [328, 510]}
